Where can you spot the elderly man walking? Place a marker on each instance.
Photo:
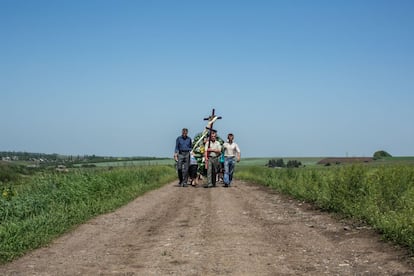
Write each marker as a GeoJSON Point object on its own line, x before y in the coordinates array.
{"type": "Point", "coordinates": [182, 156]}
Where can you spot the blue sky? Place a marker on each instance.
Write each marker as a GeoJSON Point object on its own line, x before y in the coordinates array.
{"type": "Point", "coordinates": [290, 78]}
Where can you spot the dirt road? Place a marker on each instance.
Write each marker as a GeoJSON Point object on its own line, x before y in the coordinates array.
{"type": "Point", "coordinates": [242, 230]}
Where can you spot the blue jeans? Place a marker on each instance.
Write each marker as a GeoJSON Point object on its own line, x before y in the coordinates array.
{"type": "Point", "coordinates": [229, 163]}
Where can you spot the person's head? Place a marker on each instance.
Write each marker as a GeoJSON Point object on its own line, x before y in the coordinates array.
{"type": "Point", "coordinates": [230, 137]}
{"type": "Point", "coordinates": [213, 135]}
{"type": "Point", "coordinates": [184, 132]}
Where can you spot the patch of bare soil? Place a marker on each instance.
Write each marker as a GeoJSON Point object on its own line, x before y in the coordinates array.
{"type": "Point", "coordinates": [242, 230]}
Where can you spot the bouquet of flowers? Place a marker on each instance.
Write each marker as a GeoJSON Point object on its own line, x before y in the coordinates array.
{"type": "Point", "coordinates": [199, 149]}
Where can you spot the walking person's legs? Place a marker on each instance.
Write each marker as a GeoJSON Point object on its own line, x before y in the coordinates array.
{"type": "Point", "coordinates": [231, 169]}
{"type": "Point", "coordinates": [192, 174]}
{"type": "Point", "coordinates": [186, 165]}
{"type": "Point", "coordinates": [209, 174]}
{"type": "Point", "coordinates": [180, 170]}
{"type": "Point", "coordinates": [228, 170]}
{"type": "Point", "coordinates": [182, 167]}
{"type": "Point", "coordinates": [212, 172]}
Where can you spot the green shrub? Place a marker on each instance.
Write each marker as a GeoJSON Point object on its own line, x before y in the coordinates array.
{"type": "Point", "coordinates": [381, 154]}
{"type": "Point", "coordinates": [293, 164]}
{"type": "Point", "coordinates": [8, 173]}
{"type": "Point", "coordinates": [279, 163]}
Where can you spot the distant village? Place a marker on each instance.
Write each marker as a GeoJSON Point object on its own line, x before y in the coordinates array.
{"type": "Point", "coordinates": [39, 159]}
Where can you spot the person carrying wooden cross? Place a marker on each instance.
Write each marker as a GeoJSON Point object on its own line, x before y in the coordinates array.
{"type": "Point", "coordinates": [212, 153]}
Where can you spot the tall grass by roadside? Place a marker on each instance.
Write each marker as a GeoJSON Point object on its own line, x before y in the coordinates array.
{"type": "Point", "coordinates": [381, 196]}
{"type": "Point", "coordinates": [34, 212]}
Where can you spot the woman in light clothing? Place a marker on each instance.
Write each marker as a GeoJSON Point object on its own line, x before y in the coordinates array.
{"type": "Point", "coordinates": [231, 155]}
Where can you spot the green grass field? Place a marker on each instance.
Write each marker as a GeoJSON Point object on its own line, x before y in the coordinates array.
{"type": "Point", "coordinates": [152, 162]}
{"type": "Point", "coordinates": [34, 210]}
{"type": "Point", "coordinates": [263, 161]}
{"type": "Point", "coordinates": [409, 160]}
{"type": "Point", "coordinates": [312, 161]}
{"type": "Point", "coordinates": [250, 161]}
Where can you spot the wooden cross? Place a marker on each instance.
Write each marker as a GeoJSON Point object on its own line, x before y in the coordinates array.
{"type": "Point", "coordinates": [211, 119]}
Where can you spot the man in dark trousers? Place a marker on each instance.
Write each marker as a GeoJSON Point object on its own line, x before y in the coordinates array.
{"type": "Point", "coordinates": [212, 153]}
{"type": "Point", "coordinates": [182, 156]}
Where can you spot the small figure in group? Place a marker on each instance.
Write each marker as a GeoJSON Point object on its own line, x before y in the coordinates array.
{"type": "Point", "coordinates": [220, 173]}
{"type": "Point", "coordinates": [193, 170]}
{"type": "Point", "coordinates": [212, 154]}
{"type": "Point", "coordinates": [231, 155]}
{"type": "Point", "coordinates": [182, 156]}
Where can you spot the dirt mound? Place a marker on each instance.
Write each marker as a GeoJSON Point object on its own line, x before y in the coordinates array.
{"type": "Point", "coordinates": [345, 160]}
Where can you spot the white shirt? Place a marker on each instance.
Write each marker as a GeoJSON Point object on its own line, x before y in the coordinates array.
{"type": "Point", "coordinates": [193, 160]}
{"type": "Point", "coordinates": [230, 150]}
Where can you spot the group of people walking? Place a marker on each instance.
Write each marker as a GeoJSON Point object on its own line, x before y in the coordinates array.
{"type": "Point", "coordinates": [213, 149]}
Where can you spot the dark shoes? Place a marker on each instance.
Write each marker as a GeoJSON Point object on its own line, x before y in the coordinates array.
{"type": "Point", "coordinates": [208, 186]}
{"type": "Point", "coordinates": [182, 184]}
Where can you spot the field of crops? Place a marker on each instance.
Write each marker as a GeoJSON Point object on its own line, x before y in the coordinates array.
{"type": "Point", "coordinates": [251, 161]}
{"type": "Point", "coordinates": [312, 161]}
{"type": "Point", "coordinates": [263, 161]}
{"type": "Point", "coordinates": [152, 162]}
{"type": "Point", "coordinates": [35, 209]}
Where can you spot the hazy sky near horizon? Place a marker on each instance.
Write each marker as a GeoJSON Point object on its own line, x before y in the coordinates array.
{"type": "Point", "coordinates": [289, 78]}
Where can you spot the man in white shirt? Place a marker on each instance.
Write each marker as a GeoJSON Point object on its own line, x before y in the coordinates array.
{"type": "Point", "coordinates": [231, 155]}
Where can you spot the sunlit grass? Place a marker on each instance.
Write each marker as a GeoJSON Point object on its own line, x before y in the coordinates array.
{"type": "Point", "coordinates": [382, 196]}
{"type": "Point", "coordinates": [40, 208]}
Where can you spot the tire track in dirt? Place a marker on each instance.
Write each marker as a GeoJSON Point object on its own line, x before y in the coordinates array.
{"type": "Point", "coordinates": [242, 230]}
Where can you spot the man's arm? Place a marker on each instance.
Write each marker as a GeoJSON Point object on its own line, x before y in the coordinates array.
{"type": "Point", "coordinates": [176, 149]}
